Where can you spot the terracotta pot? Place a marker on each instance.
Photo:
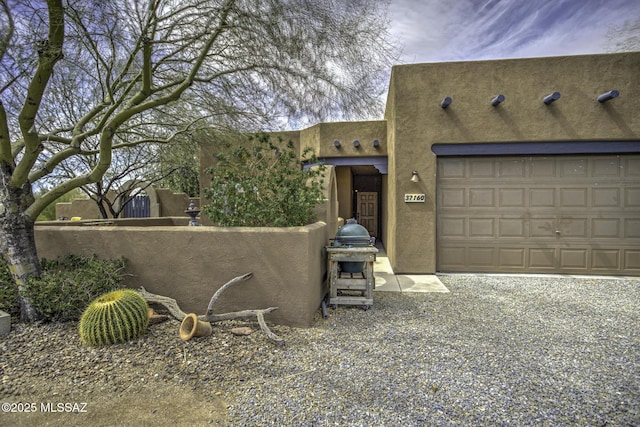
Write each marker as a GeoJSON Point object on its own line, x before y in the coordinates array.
{"type": "Point", "coordinates": [192, 327]}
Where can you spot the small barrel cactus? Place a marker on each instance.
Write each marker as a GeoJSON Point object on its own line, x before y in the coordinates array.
{"type": "Point", "coordinates": [115, 317]}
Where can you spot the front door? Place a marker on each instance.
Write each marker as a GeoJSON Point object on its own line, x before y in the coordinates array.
{"type": "Point", "coordinates": [368, 211]}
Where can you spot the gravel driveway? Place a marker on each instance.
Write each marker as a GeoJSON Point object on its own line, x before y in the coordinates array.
{"type": "Point", "coordinates": [496, 350]}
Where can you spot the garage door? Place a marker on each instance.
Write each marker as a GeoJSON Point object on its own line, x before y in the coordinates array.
{"type": "Point", "coordinates": [555, 214]}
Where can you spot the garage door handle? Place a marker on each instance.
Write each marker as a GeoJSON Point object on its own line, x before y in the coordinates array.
{"type": "Point", "coordinates": [557, 231]}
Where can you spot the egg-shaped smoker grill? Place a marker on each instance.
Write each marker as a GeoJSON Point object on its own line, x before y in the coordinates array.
{"type": "Point", "coordinates": [352, 235]}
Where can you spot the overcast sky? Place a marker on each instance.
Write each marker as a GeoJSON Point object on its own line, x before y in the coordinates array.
{"type": "Point", "coordinates": [453, 30]}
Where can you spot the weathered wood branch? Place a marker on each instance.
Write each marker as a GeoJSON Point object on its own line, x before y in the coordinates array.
{"type": "Point", "coordinates": [168, 303]}
{"type": "Point", "coordinates": [224, 287]}
{"type": "Point", "coordinates": [172, 306]}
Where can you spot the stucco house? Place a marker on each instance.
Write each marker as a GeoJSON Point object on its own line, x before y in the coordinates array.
{"type": "Point", "coordinates": [517, 165]}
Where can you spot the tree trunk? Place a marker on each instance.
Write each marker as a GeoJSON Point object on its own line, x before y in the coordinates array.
{"type": "Point", "coordinates": [17, 243]}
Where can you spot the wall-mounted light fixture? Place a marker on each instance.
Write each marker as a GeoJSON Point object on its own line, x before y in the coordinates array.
{"type": "Point", "coordinates": [414, 176]}
{"type": "Point", "coordinates": [336, 143]}
{"type": "Point", "coordinates": [446, 102]}
{"type": "Point", "coordinates": [608, 95]}
{"type": "Point", "coordinates": [376, 143]}
{"type": "Point", "coordinates": [497, 100]}
{"type": "Point", "coordinates": [356, 143]}
{"type": "Point", "coordinates": [552, 97]}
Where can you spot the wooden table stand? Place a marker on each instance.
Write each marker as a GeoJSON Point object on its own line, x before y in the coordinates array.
{"type": "Point", "coordinates": [351, 288]}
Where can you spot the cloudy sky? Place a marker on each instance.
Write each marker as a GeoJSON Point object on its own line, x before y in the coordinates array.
{"type": "Point", "coordinates": [453, 30]}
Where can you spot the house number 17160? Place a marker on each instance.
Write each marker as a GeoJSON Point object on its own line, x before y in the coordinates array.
{"type": "Point", "coordinates": [414, 198]}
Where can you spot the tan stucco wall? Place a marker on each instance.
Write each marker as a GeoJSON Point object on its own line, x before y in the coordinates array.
{"type": "Point", "coordinates": [321, 139]}
{"type": "Point", "coordinates": [345, 183]}
{"type": "Point", "coordinates": [174, 204]}
{"type": "Point", "coordinates": [83, 208]}
{"type": "Point", "coordinates": [327, 211]}
{"type": "Point", "coordinates": [384, 219]}
{"type": "Point", "coordinates": [191, 263]}
{"type": "Point", "coordinates": [164, 203]}
{"type": "Point", "coordinates": [415, 121]}
{"type": "Point", "coordinates": [389, 228]}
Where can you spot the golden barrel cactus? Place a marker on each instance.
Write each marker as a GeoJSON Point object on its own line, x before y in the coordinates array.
{"type": "Point", "coordinates": [115, 317]}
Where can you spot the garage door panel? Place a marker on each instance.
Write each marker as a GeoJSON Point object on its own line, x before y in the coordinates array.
{"type": "Point", "coordinates": [572, 168]}
{"type": "Point", "coordinates": [481, 197]}
{"type": "Point", "coordinates": [608, 167]}
{"type": "Point", "coordinates": [543, 167]}
{"type": "Point", "coordinates": [513, 168]}
{"type": "Point", "coordinates": [558, 214]}
{"type": "Point", "coordinates": [482, 227]}
{"type": "Point", "coordinates": [452, 198]}
{"type": "Point", "coordinates": [573, 198]}
{"type": "Point", "coordinates": [542, 258]}
{"type": "Point", "coordinates": [606, 198]}
{"type": "Point", "coordinates": [573, 227]}
{"type": "Point", "coordinates": [481, 257]}
{"type": "Point", "coordinates": [511, 227]}
{"type": "Point", "coordinates": [631, 167]}
{"type": "Point", "coordinates": [631, 260]}
{"type": "Point", "coordinates": [542, 227]}
{"type": "Point", "coordinates": [482, 169]}
{"type": "Point", "coordinates": [542, 197]}
{"type": "Point", "coordinates": [573, 258]}
{"type": "Point", "coordinates": [452, 169]}
{"type": "Point", "coordinates": [453, 258]}
{"type": "Point", "coordinates": [512, 257]}
{"type": "Point", "coordinates": [632, 197]}
{"type": "Point", "coordinates": [454, 227]}
{"type": "Point", "coordinates": [511, 197]}
{"type": "Point", "coordinates": [606, 228]}
{"type": "Point", "coordinates": [605, 259]}
{"type": "Point", "coordinates": [632, 228]}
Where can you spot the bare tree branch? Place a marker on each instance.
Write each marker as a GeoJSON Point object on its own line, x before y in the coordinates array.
{"type": "Point", "coordinates": [49, 52]}
{"type": "Point", "coordinates": [5, 137]}
{"type": "Point", "coordinates": [4, 42]}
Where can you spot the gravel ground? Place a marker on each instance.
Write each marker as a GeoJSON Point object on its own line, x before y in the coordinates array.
{"type": "Point", "coordinates": [496, 350]}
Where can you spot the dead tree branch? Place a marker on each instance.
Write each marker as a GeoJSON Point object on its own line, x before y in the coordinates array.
{"type": "Point", "coordinates": [168, 303]}
{"type": "Point", "coordinates": [172, 306]}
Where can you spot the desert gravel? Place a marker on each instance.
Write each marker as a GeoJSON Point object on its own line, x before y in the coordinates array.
{"type": "Point", "coordinates": [496, 350]}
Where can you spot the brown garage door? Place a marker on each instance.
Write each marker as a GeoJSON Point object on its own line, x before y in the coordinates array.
{"type": "Point", "coordinates": [555, 214]}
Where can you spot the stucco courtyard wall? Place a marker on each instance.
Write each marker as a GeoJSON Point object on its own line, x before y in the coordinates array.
{"type": "Point", "coordinates": [191, 263]}
{"type": "Point", "coordinates": [163, 203]}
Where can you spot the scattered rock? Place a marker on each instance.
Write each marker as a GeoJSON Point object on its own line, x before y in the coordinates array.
{"type": "Point", "coordinates": [242, 331]}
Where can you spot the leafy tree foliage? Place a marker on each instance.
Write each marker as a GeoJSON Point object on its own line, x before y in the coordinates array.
{"type": "Point", "coordinates": [179, 166]}
{"type": "Point", "coordinates": [262, 184]}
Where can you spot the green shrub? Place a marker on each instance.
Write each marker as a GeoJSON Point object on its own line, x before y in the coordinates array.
{"type": "Point", "coordinates": [66, 287]}
{"type": "Point", "coordinates": [8, 297]}
{"type": "Point", "coordinates": [262, 184]}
